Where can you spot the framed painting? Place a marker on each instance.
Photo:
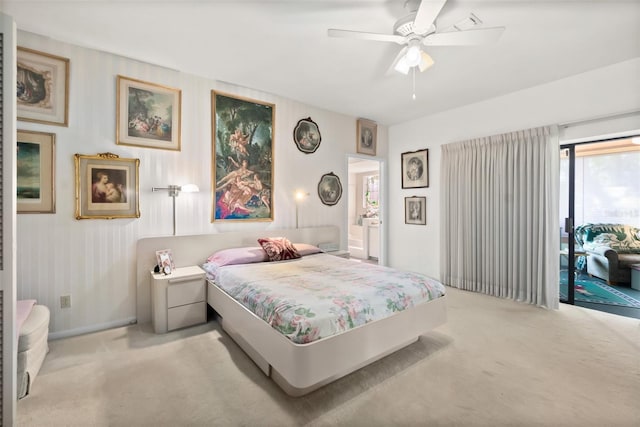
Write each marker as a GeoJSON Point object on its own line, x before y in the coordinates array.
{"type": "Point", "coordinates": [415, 169]}
{"type": "Point", "coordinates": [42, 82]}
{"type": "Point", "coordinates": [148, 115]}
{"type": "Point", "coordinates": [165, 261]}
{"type": "Point", "coordinates": [107, 187]}
{"type": "Point", "coordinates": [36, 172]}
{"type": "Point", "coordinates": [367, 138]}
{"type": "Point", "coordinates": [415, 210]}
{"type": "Point", "coordinates": [329, 189]}
{"type": "Point", "coordinates": [306, 135]}
{"type": "Point", "coordinates": [242, 164]}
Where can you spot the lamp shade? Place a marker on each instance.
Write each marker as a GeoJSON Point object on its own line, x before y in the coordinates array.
{"type": "Point", "coordinates": [189, 188]}
{"type": "Point", "coordinates": [413, 57]}
{"type": "Point", "coordinates": [402, 66]}
{"type": "Point", "coordinates": [425, 61]}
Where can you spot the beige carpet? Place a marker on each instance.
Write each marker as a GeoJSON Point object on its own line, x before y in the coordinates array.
{"type": "Point", "coordinates": [495, 363]}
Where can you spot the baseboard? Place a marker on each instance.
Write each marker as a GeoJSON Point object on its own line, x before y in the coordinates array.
{"type": "Point", "coordinates": [93, 328]}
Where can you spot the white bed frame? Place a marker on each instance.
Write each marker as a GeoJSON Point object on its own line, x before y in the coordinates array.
{"type": "Point", "coordinates": [298, 368]}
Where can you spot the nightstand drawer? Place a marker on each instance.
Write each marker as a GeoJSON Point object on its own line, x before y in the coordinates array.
{"type": "Point", "coordinates": [186, 315]}
{"type": "Point", "coordinates": [185, 291]}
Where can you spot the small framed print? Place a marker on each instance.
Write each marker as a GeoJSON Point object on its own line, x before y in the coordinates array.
{"type": "Point", "coordinates": [36, 172]}
{"type": "Point", "coordinates": [329, 189]}
{"type": "Point", "coordinates": [148, 115]}
{"type": "Point", "coordinates": [367, 138]}
{"type": "Point", "coordinates": [415, 169]}
{"type": "Point", "coordinates": [42, 87]}
{"type": "Point", "coordinates": [165, 261]}
{"type": "Point", "coordinates": [415, 210]}
{"type": "Point", "coordinates": [107, 187]}
{"type": "Point", "coordinates": [306, 135]}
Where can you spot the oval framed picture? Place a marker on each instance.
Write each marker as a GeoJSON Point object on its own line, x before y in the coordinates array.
{"type": "Point", "coordinates": [329, 189]}
{"type": "Point", "coordinates": [307, 136]}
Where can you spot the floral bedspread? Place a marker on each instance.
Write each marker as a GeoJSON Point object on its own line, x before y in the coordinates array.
{"type": "Point", "coordinates": [320, 295]}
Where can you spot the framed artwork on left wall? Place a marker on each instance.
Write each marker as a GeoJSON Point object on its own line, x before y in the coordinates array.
{"type": "Point", "coordinates": [148, 114]}
{"type": "Point", "coordinates": [107, 187]}
{"type": "Point", "coordinates": [36, 179]}
{"type": "Point", "coordinates": [42, 87]}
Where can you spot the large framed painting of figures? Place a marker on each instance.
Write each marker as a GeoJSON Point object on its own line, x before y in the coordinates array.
{"type": "Point", "coordinates": [42, 87]}
{"type": "Point", "coordinates": [242, 164]}
{"type": "Point", "coordinates": [148, 115]}
{"type": "Point", "coordinates": [107, 187]}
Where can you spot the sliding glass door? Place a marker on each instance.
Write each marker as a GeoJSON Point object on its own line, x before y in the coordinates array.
{"type": "Point", "coordinates": [567, 224]}
{"type": "Point", "coordinates": [600, 199]}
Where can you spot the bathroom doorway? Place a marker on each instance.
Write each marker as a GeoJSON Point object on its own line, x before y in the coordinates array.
{"type": "Point", "coordinates": [365, 209]}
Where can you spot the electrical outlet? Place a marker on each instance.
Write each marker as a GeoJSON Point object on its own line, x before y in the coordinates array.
{"type": "Point", "coordinates": [65, 301]}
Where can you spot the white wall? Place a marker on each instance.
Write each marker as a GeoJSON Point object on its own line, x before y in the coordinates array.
{"type": "Point", "coordinates": [94, 260]}
{"type": "Point", "coordinates": [604, 91]}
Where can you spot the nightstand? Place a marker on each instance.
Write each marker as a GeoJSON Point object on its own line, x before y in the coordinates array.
{"type": "Point", "coordinates": [341, 254]}
{"type": "Point", "coordinates": [178, 299]}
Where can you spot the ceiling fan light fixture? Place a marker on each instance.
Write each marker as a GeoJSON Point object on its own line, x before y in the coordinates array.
{"type": "Point", "coordinates": [413, 57]}
{"type": "Point", "coordinates": [425, 61]}
{"type": "Point", "coordinates": [402, 66]}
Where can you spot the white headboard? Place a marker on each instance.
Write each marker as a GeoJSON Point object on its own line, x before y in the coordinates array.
{"type": "Point", "coordinates": [194, 250]}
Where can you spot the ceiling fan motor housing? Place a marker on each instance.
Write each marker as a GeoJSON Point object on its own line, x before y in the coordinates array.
{"type": "Point", "coordinates": [404, 26]}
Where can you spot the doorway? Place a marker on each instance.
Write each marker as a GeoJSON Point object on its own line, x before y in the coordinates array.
{"type": "Point", "coordinates": [600, 213]}
{"type": "Point", "coordinates": [365, 209]}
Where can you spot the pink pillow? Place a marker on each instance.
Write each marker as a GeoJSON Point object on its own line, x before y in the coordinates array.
{"type": "Point", "coordinates": [279, 248]}
{"type": "Point", "coordinates": [234, 256]}
{"type": "Point", "coordinates": [306, 249]}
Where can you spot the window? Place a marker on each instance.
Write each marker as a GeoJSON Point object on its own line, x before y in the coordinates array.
{"type": "Point", "coordinates": [371, 195]}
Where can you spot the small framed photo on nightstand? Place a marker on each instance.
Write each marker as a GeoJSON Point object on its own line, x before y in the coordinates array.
{"type": "Point", "coordinates": [165, 261]}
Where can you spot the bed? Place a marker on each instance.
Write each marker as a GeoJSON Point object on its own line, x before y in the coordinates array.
{"type": "Point", "coordinates": [304, 361]}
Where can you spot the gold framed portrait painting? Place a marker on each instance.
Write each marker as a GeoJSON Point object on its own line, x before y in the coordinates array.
{"type": "Point", "coordinates": [42, 82]}
{"type": "Point", "coordinates": [36, 172]}
{"type": "Point", "coordinates": [107, 187]}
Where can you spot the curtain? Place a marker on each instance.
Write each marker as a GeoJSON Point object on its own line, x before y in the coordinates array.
{"type": "Point", "coordinates": [499, 210]}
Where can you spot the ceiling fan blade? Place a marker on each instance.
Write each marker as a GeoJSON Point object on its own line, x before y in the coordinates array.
{"type": "Point", "coordinates": [366, 36]}
{"type": "Point", "coordinates": [464, 38]}
{"type": "Point", "coordinates": [396, 65]}
{"type": "Point", "coordinates": [426, 15]}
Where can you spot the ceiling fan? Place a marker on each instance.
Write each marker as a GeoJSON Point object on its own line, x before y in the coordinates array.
{"type": "Point", "coordinates": [418, 28]}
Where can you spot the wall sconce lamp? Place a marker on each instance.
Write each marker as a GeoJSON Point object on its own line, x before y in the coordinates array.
{"type": "Point", "coordinates": [299, 196]}
{"type": "Point", "coordinates": [174, 191]}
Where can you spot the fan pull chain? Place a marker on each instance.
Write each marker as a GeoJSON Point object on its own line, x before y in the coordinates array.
{"type": "Point", "coordinates": [414, 83]}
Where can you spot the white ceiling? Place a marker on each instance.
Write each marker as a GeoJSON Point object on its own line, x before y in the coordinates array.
{"type": "Point", "coordinates": [282, 47]}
